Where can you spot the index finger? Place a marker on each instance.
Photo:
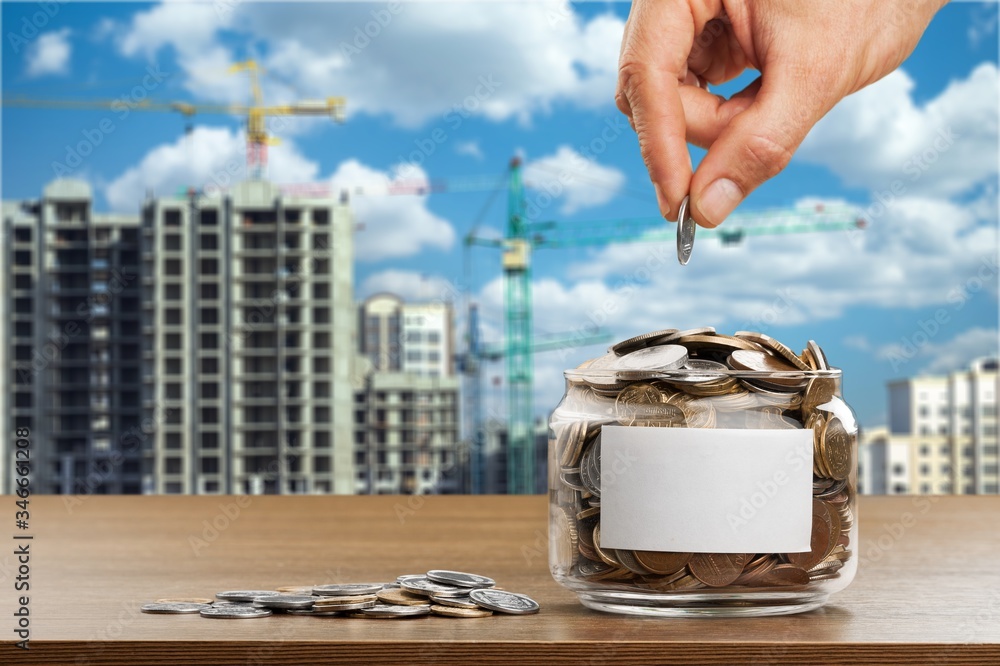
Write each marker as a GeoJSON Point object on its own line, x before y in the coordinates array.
{"type": "Point", "coordinates": [653, 60]}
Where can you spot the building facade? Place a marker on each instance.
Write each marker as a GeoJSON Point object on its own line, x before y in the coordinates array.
{"type": "Point", "coordinates": [406, 434]}
{"type": "Point", "coordinates": [248, 336]}
{"type": "Point", "coordinates": [942, 435]}
{"type": "Point", "coordinates": [413, 338]}
{"type": "Point", "coordinates": [71, 332]}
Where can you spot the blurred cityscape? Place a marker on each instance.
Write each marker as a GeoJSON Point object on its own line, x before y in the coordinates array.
{"type": "Point", "coordinates": [213, 345]}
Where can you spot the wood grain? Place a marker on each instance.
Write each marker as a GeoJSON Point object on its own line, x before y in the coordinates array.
{"type": "Point", "coordinates": [928, 588]}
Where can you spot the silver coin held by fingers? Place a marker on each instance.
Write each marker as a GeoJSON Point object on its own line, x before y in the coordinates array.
{"type": "Point", "coordinates": [685, 233]}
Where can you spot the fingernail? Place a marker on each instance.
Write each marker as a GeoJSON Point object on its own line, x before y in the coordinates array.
{"type": "Point", "coordinates": [718, 200]}
{"type": "Point", "coordinates": [661, 201]}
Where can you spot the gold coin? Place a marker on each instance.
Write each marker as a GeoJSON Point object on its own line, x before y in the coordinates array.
{"type": "Point", "coordinates": [819, 391]}
{"type": "Point", "coordinates": [324, 602]}
{"type": "Point", "coordinates": [819, 540]}
{"type": "Point", "coordinates": [785, 574]}
{"type": "Point", "coordinates": [662, 562]}
{"type": "Point", "coordinates": [399, 597]}
{"type": "Point", "coordinates": [779, 348]}
{"type": "Point", "coordinates": [717, 569]}
{"type": "Point", "coordinates": [758, 361]}
{"type": "Point", "coordinates": [837, 448]}
{"type": "Point", "coordinates": [453, 611]}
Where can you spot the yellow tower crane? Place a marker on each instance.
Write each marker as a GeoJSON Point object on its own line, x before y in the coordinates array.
{"type": "Point", "coordinates": [256, 113]}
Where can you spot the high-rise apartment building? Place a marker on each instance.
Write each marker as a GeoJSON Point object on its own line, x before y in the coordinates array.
{"type": "Point", "coordinates": [248, 343]}
{"type": "Point", "coordinates": [414, 338]}
{"type": "Point", "coordinates": [942, 435]}
{"type": "Point", "coordinates": [71, 332]}
{"type": "Point", "coordinates": [406, 433]}
{"type": "Point", "coordinates": [950, 425]}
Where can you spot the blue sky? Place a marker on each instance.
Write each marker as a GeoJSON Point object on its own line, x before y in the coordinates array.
{"type": "Point", "coordinates": [544, 75]}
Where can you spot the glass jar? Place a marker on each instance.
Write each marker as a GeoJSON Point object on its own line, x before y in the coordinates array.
{"type": "Point", "coordinates": [705, 488]}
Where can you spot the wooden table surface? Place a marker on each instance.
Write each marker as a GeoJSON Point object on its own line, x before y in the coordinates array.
{"type": "Point", "coordinates": [928, 590]}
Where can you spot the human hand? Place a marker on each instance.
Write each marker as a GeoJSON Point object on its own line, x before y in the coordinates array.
{"type": "Point", "coordinates": [810, 55]}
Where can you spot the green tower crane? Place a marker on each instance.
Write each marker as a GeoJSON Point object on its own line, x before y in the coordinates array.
{"type": "Point", "coordinates": [523, 236]}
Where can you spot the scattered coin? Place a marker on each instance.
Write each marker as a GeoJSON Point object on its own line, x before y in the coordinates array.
{"type": "Point", "coordinates": [245, 595]}
{"type": "Point", "coordinates": [425, 586]}
{"type": "Point", "coordinates": [501, 601]}
{"type": "Point", "coordinates": [401, 597]}
{"type": "Point", "coordinates": [389, 611]}
{"type": "Point", "coordinates": [284, 601]}
{"type": "Point", "coordinates": [173, 607]}
{"type": "Point", "coordinates": [459, 578]}
{"type": "Point", "coordinates": [346, 589]}
{"type": "Point", "coordinates": [456, 602]}
{"type": "Point", "coordinates": [234, 612]}
{"type": "Point", "coordinates": [454, 611]}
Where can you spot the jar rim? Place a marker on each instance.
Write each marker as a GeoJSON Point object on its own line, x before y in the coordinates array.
{"type": "Point", "coordinates": [693, 373]}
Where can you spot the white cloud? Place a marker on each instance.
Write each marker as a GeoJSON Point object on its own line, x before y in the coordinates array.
{"type": "Point", "coordinates": [412, 286]}
{"type": "Point", "coordinates": [469, 148]}
{"type": "Point", "coordinates": [391, 225]}
{"type": "Point", "coordinates": [945, 356]}
{"type": "Point", "coordinates": [49, 54]}
{"type": "Point", "coordinates": [517, 59]}
{"type": "Point", "coordinates": [570, 177]}
{"type": "Point", "coordinates": [946, 146]}
{"type": "Point", "coordinates": [859, 342]}
{"type": "Point", "coordinates": [983, 25]}
{"type": "Point", "coordinates": [207, 158]}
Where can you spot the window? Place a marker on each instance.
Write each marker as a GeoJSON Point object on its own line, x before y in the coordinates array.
{"type": "Point", "coordinates": [172, 366]}
{"type": "Point", "coordinates": [991, 449]}
{"type": "Point", "coordinates": [433, 356]}
{"type": "Point", "coordinates": [990, 430]}
{"type": "Point", "coordinates": [946, 469]}
{"type": "Point", "coordinates": [321, 464]}
{"type": "Point", "coordinates": [210, 366]}
{"type": "Point", "coordinates": [925, 450]}
{"type": "Point", "coordinates": [208, 267]}
{"type": "Point", "coordinates": [899, 488]}
{"type": "Point", "coordinates": [172, 292]}
{"type": "Point", "coordinates": [209, 315]}
{"type": "Point", "coordinates": [209, 292]}
{"type": "Point", "coordinates": [433, 337]}
{"type": "Point", "coordinates": [172, 218]}
{"type": "Point", "coordinates": [360, 417]}
{"type": "Point", "coordinates": [209, 440]}
{"type": "Point", "coordinates": [321, 340]}
{"type": "Point", "coordinates": [945, 450]}
{"type": "Point", "coordinates": [321, 415]}
{"type": "Point", "coordinates": [172, 440]}
{"type": "Point", "coordinates": [208, 242]}
{"type": "Point", "coordinates": [321, 217]}
{"type": "Point", "coordinates": [172, 316]}
{"type": "Point", "coordinates": [990, 411]}
{"type": "Point", "coordinates": [171, 266]}
{"type": "Point", "coordinates": [209, 415]}
{"type": "Point", "coordinates": [924, 410]}
{"type": "Point", "coordinates": [321, 315]}
{"type": "Point", "coordinates": [942, 429]}
{"type": "Point", "coordinates": [321, 389]}
{"type": "Point", "coordinates": [925, 488]}
{"type": "Point", "coordinates": [943, 411]}
{"type": "Point", "coordinates": [991, 488]}
{"type": "Point", "coordinates": [321, 364]}
{"type": "Point", "coordinates": [209, 465]}
{"type": "Point", "coordinates": [174, 465]}
{"type": "Point", "coordinates": [967, 451]}
{"type": "Point", "coordinates": [172, 391]}
{"type": "Point", "coordinates": [321, 290]}
{"type": "Point", "coordinates": [414, 356]}
{"type": "Point", "coordinates": [898, 468]}
{"type": "Point", "coordinates": [172, 242]}
{"type": "Point", "coordinates": [321, 440]}
{"type": "Point", "coordinates": [209, 340]}
{"type": "Point", "coordinates": [925, 469]}
{"type": "Point", "coordinates": [990, 468]}
{"type": "Point", "coordinates": [924, 430]}
{"type": "Point", "coordinates": [414, 336]}
{"type": "Point", "coordinates": [172, 341]}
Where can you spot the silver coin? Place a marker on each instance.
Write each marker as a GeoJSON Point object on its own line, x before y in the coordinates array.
{"type": "Point", "coordinates": [173, 608]}
{"type": "Point", "coordinates": [457, 602]}
{"type": "Point", "coordinates": [500, 601]}
{"type": "Point", "coordinates": [818, 354]}
{"type": "Point", "coordinates": [424, 586]}
{"type": "Point", "coordinates": [234, 612]}
{"type": "Point", "coordinates": [284, 601]}
{"type": "Point", "coordinates": [389, 611]}
{"type": "Point", "coordinates": [590, 468]}
{"type": "Point", "coordinates": [598, 373]}
{"type": "Point", "coordinates": [459, 578]}
{"type": "Point", "coordinates": [686, 227]}
{"type": "Point", "coordinates": [245, 595]}
{"type": "Point", "coordinates": [663, 357]}
{"type": "Point", "coordinates": [346, 589]}
{"type": "Point", "coordinates": [640, 341]}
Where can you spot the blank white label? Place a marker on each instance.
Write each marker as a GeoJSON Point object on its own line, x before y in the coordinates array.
{"type": "Point", "coordinates": [704, 490]}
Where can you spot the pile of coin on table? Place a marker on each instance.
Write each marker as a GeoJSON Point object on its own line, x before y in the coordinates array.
{"type": "Point", "coordinates": [445, 593]}
{"type": "Point", "coordinates": [699, 379]}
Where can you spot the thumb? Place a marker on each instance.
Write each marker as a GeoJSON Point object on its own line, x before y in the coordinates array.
{"type": "Point", "coordinates": [756, 144]}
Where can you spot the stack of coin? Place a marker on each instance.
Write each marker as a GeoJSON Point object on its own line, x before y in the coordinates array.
{"type": "Point", "coordinates": [700, 379]}
{"type": "Point", "coordinates": [453, 594]}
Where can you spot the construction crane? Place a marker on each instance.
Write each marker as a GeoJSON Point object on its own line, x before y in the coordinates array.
{"type": "Point", "coordinates": [471, 365]}
{"type": "Point", "coordinates": [255, 113]}
{"type": "Point", "coordinates": [523, 236]}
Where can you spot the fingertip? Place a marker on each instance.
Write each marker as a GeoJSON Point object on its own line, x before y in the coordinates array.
{"type": "Point", "coordinates": [716, 202]}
